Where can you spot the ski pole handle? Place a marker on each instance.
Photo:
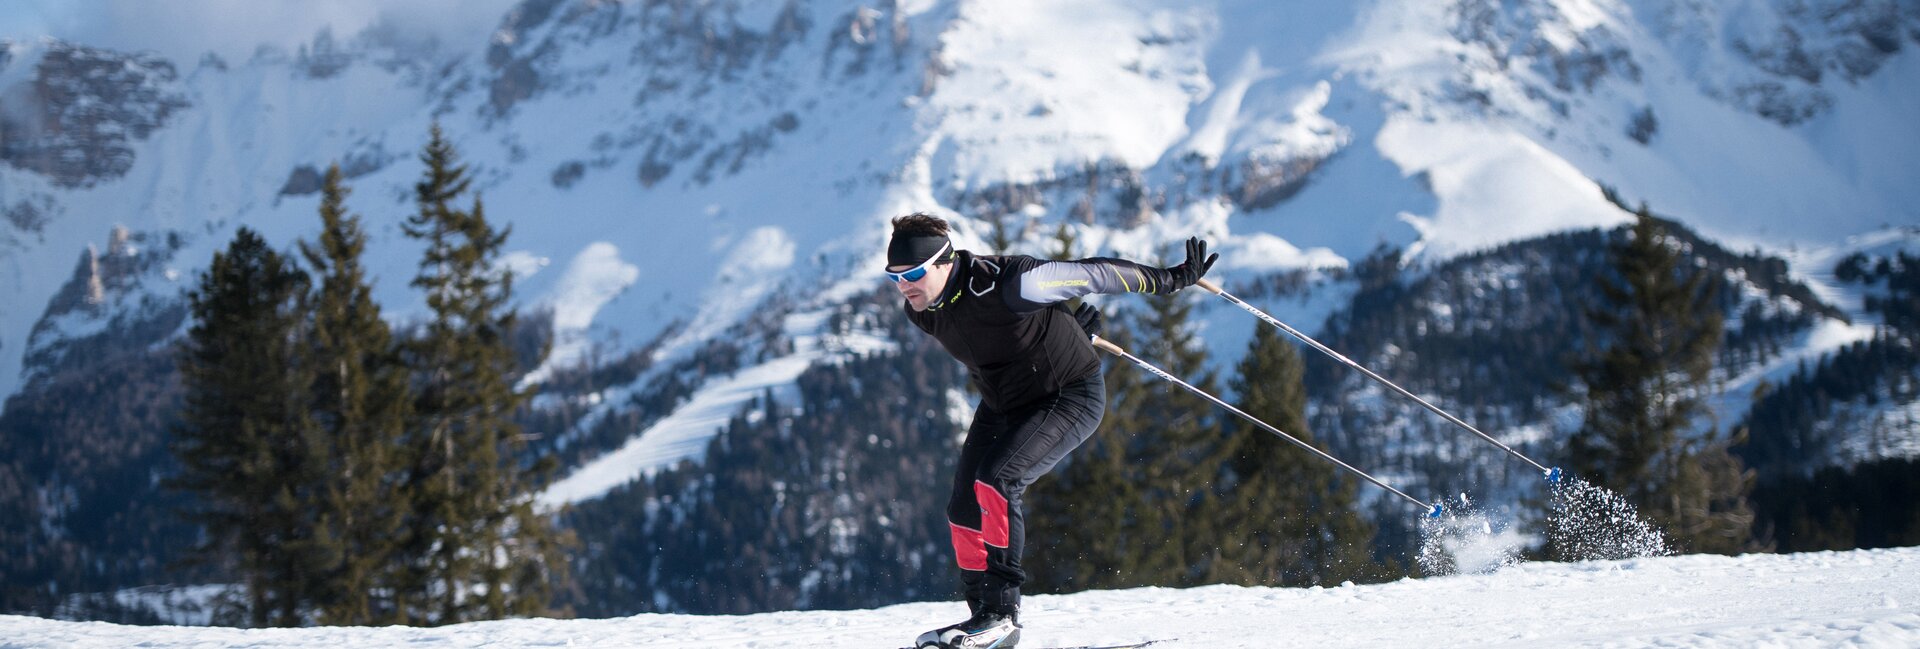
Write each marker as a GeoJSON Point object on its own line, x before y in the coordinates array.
{"type": "Point", "coordinates": [1103, 345]}
{"type": "Point", "coordinates": [1208, 285]}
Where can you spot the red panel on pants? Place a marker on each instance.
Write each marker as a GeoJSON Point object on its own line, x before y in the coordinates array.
{"type": "Point", "coordinates": [967, 547]}
{"type": "Point", "coordinates": [993, 514]}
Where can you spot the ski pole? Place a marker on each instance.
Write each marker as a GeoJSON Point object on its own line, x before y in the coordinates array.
{"type": "Point", "coordinates": [1552, 475]}
{"type": "Point", "coordinates": [1433, 511]}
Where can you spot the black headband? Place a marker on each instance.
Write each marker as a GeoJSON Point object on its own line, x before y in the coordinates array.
{"type": "Point", "coordinates": [914, 249]}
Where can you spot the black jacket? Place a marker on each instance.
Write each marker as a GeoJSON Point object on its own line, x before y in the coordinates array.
{"type": "Point", "coordinates": [998, 316]}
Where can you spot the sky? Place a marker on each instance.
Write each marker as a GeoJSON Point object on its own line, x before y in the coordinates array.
{"type": "Point", "coordinates": [184, 30]}
{"type": "Point", "coordinates": [1863, 598]}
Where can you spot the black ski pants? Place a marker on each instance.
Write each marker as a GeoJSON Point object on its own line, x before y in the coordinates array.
{"type": "Point", "coordinates": [1004, 453]}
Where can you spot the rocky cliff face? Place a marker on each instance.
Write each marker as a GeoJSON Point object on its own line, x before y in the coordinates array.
{"type": "Point", "coordinates": [122, 298]}
{"type": "Point", "coordinates": [1779, 58]}
{"type": "Point", "coordinates": [76, 120]}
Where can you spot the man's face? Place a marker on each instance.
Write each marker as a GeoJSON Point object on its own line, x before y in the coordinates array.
{"type": "Point", "coordinates": [921, 292]}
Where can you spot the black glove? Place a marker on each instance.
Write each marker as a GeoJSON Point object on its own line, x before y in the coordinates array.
{"type": "Point", "coordinates": [1089, 319]}
{"type": "Point", "coordinates": [1190, 271]}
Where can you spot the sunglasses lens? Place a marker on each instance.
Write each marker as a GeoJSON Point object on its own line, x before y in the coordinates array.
{"type": "Point", "coordinates": [909, 276]}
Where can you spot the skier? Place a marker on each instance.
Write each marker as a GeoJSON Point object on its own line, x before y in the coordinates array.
{"type": "Point", "coordinates": [1041, 391]}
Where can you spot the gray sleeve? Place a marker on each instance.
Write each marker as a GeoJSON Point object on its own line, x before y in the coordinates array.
{"type": "Point", "coordinates": [1047, 282]}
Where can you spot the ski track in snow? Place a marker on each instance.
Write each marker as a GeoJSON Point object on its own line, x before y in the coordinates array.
{"type": "Point", "coordinates": [1866, 598]}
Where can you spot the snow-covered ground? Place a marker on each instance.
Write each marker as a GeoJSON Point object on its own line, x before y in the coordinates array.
{"type": "Point", "coordinates": [1867, 598]}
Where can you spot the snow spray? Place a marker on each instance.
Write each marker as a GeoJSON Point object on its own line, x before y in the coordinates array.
{"type": "Point", "coordinates": [1468, 541]}
{"type": "Point", "coordinates": [1587, 522]}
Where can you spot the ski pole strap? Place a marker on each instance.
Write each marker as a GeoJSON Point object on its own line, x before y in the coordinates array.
{"type": "Point", "coordinates": [1432, 511]}
{"type": "Point", "coordinates": [1553, 475]}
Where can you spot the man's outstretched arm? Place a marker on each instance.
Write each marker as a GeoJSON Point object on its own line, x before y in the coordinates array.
{"type": "Point", "coordinates": [1047, 282]}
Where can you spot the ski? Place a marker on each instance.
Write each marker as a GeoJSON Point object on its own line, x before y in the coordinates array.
{"type": "Point", "coordinates": [1129, 645]}
{"type": "Point", "coordinates": [1135, 645]}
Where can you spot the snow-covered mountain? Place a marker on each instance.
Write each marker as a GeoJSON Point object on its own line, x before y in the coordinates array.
{"type": "Point", "coordinates": [685, 173]}
{"type": "Point", "coordinates": [667, 165]}
{"type": "Point", "coordinates": [657, 159]}
{"type": "Point", "coordinates": [1864, 598]}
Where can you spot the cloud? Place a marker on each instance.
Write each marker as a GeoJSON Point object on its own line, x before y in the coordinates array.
{"type": "Point", "coordinates": [183, 30]}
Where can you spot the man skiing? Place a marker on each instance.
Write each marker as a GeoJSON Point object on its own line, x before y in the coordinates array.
{"type": "Point", "coordinates": [1041, 391]}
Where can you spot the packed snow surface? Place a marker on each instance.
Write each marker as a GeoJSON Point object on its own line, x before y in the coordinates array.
{"type": "Point", "coordinates": [1866, 598]}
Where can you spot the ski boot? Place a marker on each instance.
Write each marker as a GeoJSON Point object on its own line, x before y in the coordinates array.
{"type": "Point", "coordinates": [985, 630]}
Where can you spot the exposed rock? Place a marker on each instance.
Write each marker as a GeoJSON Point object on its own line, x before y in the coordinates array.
{"type": "Point", "coordinates": [365, 158]}
{"type": "Point", "coordinates": [1782, 103]}
{"type": "Point", "coordinates": [863, 30]}
{"type": "Point", "coordinates": [570, 172]}
{"type": "Point", "coordinates": [109, 295]}
{"type": "Point", "coordinates": [528, 15]}
{"type": "Point", "coordinates": [29, 214]}
{"type": "Point", "coordinates": [1265, 183]}
{"type": "Point", "coordinates": [303, 181]}
{"type": "Point", "coordinates": [1643, 126]}
{"type": "Point", "coordinates": [1849, 37]}
{"type": "Point", "coordinates": [1529, 35]}
{"type": "Point", "coordinates": [86, 107]}
{"type": "Point", "coordinates": [323, 59]}
{"type": "Point", "coordinates": [1109, 188]}
{"type": "Point", "coordinates": [653, 169]}
{"type": "Point", "coordinates": [1783, 55]}
{"type": "Point", "coordinates": [1794, 51]}
{"type": "Point", "coordinates": [515, 82]}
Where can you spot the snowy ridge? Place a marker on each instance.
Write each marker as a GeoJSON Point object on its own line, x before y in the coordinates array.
{"type": "Point", "coordinates": [1865, 598]}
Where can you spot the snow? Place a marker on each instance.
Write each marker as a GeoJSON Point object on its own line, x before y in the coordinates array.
{"type": "Point", "coordinates": [749, 273]}
{"type": "Point", "coordinates": [1878, 432]}
{"type": "Point", "coordinates": [681, 435]}
{"type": "Point", "coordinates": [1864, 598]}
{"type": "Point", "coordinates": [1036, 87]}
{"type": "Point", "coordinates": [1210, 139]}
{"type": "Point", "coordinates": [1814, 266]}
{"type": "Point", "coordinates": [1494, 186]}
{"type": "Point", "coordinates": [596, 276]}
{"type": "Point", "coordinates": [1264, 252]}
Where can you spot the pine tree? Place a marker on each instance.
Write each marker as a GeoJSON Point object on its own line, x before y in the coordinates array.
{"type": "Point", "coordinates": [1706, 504]}
{"type": "Point", "coordinates": [359, 401]}
{"type": "Point", "coordinates": [1001, 237]}
{"type": "Point", "coordinates": [246, 442]}
{"type": "Point", "coordinates": [1064, 237]}
{"type": "Point", "coordinates": [1287, 519]}
{"type": "Point", "coordinates": [1129, 503]}
{"type": "Point", "coordinates": [1177, 447]}
{"type": "Point", "coordinates": [1092, 508]}
{"type": "Point", "coordinates": [476, 547]}
{"type": "Point", "coordinates": [1647, 388]}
